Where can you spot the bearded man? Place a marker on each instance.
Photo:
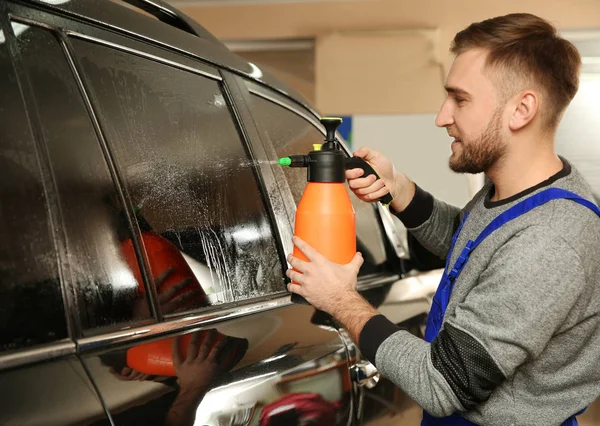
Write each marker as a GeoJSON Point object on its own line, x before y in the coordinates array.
{"type": "Point", "coordinates": [513, 335]}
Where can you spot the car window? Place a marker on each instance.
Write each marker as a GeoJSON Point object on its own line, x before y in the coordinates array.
{"type": "Point", "coordinates": [290, 133]}
{"type": "Point", "coordinates": [206, 231]}
{"type": "Point", "coordinates": [97, 263]}
{"type": "Point", "coordinates": [31, 307]}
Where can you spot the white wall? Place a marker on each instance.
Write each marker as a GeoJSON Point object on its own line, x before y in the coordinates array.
{"type": "Point", "coordinates": [417, 148]}
{"type": "Point", "coordinates": [578, 136]}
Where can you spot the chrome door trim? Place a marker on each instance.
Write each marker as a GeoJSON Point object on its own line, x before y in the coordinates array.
{"type": "Point", "coordinates": [181, 324]}
{"type": "Point", "coordinates": [142, 54]}
{"type": "Point", "coordinates": [364, 374]}
{"type": "Point", "coordinates": [208, 71]}
{"type": "Point", "coordinates": [37, 354]}
{"type": "Point", "coordinates": [392, 232]}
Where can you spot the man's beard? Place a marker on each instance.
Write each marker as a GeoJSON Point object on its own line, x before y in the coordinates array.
{"type": "Point", "coordinates": [479, 155]}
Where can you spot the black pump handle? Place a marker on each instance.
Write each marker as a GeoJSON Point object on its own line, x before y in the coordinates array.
{"type": "Point", "coordinates": [331, 124]}
{"type": "Point", "coordinates": [359, 163]}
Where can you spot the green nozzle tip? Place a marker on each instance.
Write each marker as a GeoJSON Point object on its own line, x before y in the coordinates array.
{"type": "Point", "coordinates": [285, 161]}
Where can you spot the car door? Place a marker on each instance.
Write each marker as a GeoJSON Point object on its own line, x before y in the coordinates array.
{"type": "Point", "coordinates": [159, 150]}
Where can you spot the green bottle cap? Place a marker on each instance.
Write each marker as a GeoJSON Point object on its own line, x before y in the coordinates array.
{"type": "Point", "coordinates": [285, 161]}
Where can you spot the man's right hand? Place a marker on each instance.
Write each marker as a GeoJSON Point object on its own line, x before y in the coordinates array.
{"type": "Point", "coordinates": [370, 189]}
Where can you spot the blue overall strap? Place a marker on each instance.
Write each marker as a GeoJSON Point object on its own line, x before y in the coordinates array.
{"type": "Point", "coordinates": [515, 211]}
{"type": "Point", "coordinates": [442, 295]}
{"type": "Point", "coordinates": [454, 238]}
{"type": "Point", "coordinates": [529, 204]}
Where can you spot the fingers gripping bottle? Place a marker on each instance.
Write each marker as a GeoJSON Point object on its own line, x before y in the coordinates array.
{"type": "Point", "coordinates": [325, 217]}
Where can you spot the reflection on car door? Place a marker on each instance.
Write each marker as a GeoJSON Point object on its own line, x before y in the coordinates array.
{"type": "Point", "coordinates": [275, 368]}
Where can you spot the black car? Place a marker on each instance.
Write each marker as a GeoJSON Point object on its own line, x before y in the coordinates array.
{"type": "Point", "coordinates": [144, 229]}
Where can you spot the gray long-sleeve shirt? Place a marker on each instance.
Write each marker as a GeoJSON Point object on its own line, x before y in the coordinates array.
{"type": "Point", "coordinates": [520, 344]}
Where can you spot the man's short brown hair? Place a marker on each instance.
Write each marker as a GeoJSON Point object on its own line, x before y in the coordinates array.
{"type": "Point", "coordinates": [526, 51]}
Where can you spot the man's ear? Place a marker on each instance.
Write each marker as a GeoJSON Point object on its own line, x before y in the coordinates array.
{"type": "Point", "coordinates": [526, 105]}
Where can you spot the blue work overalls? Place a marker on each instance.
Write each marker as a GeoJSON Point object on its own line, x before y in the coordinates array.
{"type": "Point", "coordinates": [442, 295]}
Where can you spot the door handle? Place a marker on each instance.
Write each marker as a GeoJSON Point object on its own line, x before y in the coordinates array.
{"type": "Point", "coordinates": [365, 374]}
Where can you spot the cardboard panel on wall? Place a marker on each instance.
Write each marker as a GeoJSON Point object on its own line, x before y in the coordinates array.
{"type": "Point", "coordinates": [394, 72]}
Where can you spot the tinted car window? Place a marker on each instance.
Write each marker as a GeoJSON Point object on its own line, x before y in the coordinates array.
{"type": "Point", "coordinates": [188, 175]}
{"type": "Point", "coordinates": [291, 134]}
{"type": "Point", "coordinates": [107, 292]}
{"type": "Point", "coordinates": [31, 307]}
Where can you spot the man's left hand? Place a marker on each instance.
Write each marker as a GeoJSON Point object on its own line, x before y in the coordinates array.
{"type": "Point", "coordinates": [324, 284]}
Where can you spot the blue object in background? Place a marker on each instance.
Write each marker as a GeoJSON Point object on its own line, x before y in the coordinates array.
{"type": "Point", "coordinates": [345, 129]}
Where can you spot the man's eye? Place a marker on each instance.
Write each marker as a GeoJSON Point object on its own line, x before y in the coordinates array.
{"type": "Point", "coordinates": [459, 100]}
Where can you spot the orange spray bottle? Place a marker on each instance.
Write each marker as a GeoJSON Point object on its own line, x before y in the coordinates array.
{"type": "Point", "coordinates": [325, 217]}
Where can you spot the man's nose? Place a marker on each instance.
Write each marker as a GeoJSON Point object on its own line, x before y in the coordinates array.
{"type": "Point", "coordinates": [444, 117]}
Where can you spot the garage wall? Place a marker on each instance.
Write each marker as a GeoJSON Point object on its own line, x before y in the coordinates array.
{"type": "Point", "coordinates": [304, 19]}
{"type": "Point", "coordinates": [379, 72]}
